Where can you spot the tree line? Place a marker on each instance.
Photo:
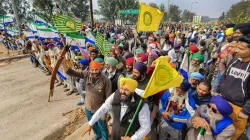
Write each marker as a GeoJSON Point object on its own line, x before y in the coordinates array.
{"type": "Point", "coordinates": [238, 13]}
{"type": "Point", "coordinates": [108, 9]}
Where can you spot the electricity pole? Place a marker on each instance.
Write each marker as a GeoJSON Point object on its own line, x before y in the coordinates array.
{"type": "Point", "coordinates": [16, 15]}
{"type": "Point", "coordinates": [91, 13]}
{"type": "Point", "coordinates": [168, 10]}
{"type": "Point", "coordinates": [191, 11]}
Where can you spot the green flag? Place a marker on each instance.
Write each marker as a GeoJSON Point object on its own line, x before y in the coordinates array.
{"type": "Point", "coordinates": [99, 42]}
{"type": "Point", "coordinates": [66, 24]}
{"type": "Point", "coordinates": [75, 39]}
{"type": "Point", "coordinates": [106, 47]}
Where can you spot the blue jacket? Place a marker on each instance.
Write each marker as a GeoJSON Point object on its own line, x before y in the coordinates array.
{"type": "Point", "coordinates": [191, 91]}
{"type": "Point", "coordinates": [181, 118]}
{"type": "Point", "coordinates": [200, 100]}
{"type": "Point", "coordinates": [221, 125]}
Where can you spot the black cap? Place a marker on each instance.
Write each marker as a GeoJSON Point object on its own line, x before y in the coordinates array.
{"type": "Point", "coordinates": [202, 43]}
{"type": "Point", "coordinates": [230, 25]}
{"type": "Point", "coordinates": [243, 27]}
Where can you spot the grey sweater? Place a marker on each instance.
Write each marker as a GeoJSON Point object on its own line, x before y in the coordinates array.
{"type": "Point", "coordinates": [192, 134]}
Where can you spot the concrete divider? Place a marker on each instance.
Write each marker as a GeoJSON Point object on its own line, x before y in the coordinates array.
{"type": "Point", "coordinates": [51, 131]}
{"type": "Point", "coordinates": [14, 57]}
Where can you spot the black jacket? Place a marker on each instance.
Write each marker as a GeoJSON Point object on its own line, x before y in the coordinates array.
{"type": "Point", "coordinates": [235, 84]}
{"type": "Point", "coordinates": [122, 125]}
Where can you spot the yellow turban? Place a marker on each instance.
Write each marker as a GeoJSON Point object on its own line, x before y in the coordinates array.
{"type": "Point", "coordinates": [230, 31]}
{"type": "Point", "coordinates": [129, 83]}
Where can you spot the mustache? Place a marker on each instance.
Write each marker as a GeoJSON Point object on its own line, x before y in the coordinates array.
{"type": "Point", "coordinates": [123, 94]}
{"type": "Point", "coordinates": [95, 74]}
{"type": "Point", "coordinates": [213, 119]}
{"type": "Point", "coordinates": [129, 70]}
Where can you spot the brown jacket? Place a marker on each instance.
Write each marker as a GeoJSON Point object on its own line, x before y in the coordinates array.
{"type": "Point", "coordinates": [96, 93]}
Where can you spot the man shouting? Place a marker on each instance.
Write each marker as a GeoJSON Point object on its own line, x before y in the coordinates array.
{"type": "Point", "coordinates": [124, 103]}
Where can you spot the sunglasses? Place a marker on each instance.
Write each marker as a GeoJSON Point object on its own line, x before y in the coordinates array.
{"type": "Point", "coordinates": [213, 109]}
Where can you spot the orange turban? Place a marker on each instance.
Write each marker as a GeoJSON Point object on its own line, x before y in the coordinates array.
{"type": "Point", "coordinates": [171, 36]}
{"type": "Point", "coordinates": [90, 48]}
{"type": "Point", "coordinates": [95, 64]}
{"type": "Point", "coordinates": [172, 65]}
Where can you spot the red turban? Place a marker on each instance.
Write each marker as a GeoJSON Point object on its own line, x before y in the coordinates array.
{"type": "Point", "coordinates": [194, 49]}
{"type": "Point", "coordinates": [143, 57]}
{"type": "Point", "coordinates": [130, 61]}
{"type": "Point", "coordinates": [95, 64]}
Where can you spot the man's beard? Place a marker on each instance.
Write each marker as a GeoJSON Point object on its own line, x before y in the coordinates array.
{"type": "Point", "coordinates": [193, 86]}
{"type": "Point", "coordinates": [137, 78]}
{"type": "Point", "coordinates": [229, 40]}
{"type": "Point", "coordinates": [95, 75]}
{"type": "Point", "coordinates": [125, 98]}
{"type": "Point", "coordinates": [129, 70]}
{"type": "Point", "coordinates": [109, 70]}
{"type": "Point", "coordinates": [177, 98]}
{"type": "Point", "coordinates": [193, 68]}
{"type": "Point", "coordinates": [213, 118]}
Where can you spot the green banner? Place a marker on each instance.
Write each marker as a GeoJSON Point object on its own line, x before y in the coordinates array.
{"type": "Point", "coordinates": [129, 11]}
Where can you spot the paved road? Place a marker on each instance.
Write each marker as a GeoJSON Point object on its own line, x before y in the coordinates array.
{"type": "Point", "coordinates": [24, 110]}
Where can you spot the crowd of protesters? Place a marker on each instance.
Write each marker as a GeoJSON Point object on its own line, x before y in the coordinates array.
{"type": "Point", "coordinates": [216, 81]}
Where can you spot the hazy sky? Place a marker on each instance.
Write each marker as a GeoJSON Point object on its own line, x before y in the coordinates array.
{"type": "Point", "coordinates": [212, 8]}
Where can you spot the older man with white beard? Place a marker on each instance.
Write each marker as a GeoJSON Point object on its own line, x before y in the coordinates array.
{"type": "Point", "coordinates": [212, 121]}
{"type": "Point", "coordinates": [177, 107]}
{"type": "Point", "coordinates": [195, 65]}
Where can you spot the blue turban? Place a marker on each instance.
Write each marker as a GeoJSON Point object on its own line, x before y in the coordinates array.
{"type": "Point", "coordinates": [59, 44]}
{"type": "Point", "coordinates": [196, 75]}
{"type": "Point", "coordinates": [45, 44]}
{"type": "Point", "coordinates": [177, 46]}
{"type": "Point", "coordinates": [84, 62]}
{"type": "Point", "coordinates": [74, 47]}
{"type": "Point", "coordinates": [224, 108]}
{"type": "Point", "coordinates": [193, 40]}
{"type": "Point", "coordinates": [141, 67]}
{"type": "Point", "coordinates": [185, 85]}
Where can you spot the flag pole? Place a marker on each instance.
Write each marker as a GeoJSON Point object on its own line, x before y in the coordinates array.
{"type": "Point", "coordinates": [146, 90]}
{"type": "Point", "coordinates": [140, 103]}
{"type": "Point", "coordinates": [201, 133]}
{"type": "Point", "coordinates": [135, 37]}
{"type": "Point", "coordinates": [91, 14]}
{"type": "Point", "coordinates": [136, 112]}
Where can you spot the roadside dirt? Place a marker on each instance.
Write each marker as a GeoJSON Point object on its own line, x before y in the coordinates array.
{"type": "Point", "coordinates": [25, 112]}
{"type": "Point", "coordinates": [75, 118]}
{"type": "Point", "coordinates": [8, 53]}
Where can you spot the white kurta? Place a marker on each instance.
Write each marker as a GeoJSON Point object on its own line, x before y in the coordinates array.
{"type": "Point", "coordinates": [144, 117]}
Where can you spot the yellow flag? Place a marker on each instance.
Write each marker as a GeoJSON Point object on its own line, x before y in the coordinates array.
{"type": "Point", "coordinates": [163, 77]}
{"type": "Point", "coordinates": [149, 18]}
